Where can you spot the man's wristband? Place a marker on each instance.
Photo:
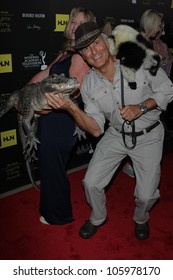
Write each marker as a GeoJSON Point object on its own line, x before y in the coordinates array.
{"type": "Point", "coordinates": [143, 108]}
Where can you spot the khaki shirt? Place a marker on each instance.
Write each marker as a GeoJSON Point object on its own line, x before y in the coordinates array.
{"type": "Point", "coordinates": [102, 99]}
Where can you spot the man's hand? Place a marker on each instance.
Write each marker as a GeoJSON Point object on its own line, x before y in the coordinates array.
{"type": "Point", "coordinates": [131, 112]}
{"type": "Point", "coordinates": [59, 101]}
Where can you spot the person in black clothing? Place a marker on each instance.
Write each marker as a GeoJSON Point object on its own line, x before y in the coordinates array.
{"type": "Point", "coordinates": [56, 131]}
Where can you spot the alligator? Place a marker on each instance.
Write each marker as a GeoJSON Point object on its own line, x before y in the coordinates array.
{"type": "Point", "coordinates": [28, 102]}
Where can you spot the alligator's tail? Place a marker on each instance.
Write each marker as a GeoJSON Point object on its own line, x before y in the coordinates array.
{"type": "Point", "coordinates": [9, 103]}
{"type": "Point", "coordinates": [28, 166]}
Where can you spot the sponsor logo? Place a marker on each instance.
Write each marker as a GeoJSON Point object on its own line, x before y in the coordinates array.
{"type": "Point", "coordinates": [13, 171]}
{"type": "Point", "coordinates": [5, 22]}
{"type": "Point", "coordinates": [60, 22]}
{"type": "Point", "coordinates": [33, 22]}
{"type": "Point", "coordinates": [33, 27]}
{"type": "Point", "coordinates": [35, 61]}
{"type": "Point", "coordinates": [43, 56]}
{"type": "Point", "coordinates": [30, 15]}
{"type": "Point", "coordinates": [8, 138]}
{"type": "Point", "coordinates": [5, 63]}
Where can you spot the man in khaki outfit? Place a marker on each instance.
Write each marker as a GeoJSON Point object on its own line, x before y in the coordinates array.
{"type": "Point", "coordinates": [134, 127]}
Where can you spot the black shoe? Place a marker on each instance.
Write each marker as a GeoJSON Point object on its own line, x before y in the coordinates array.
{"type": "Point", "coordinates": [142, 231]}
{"type": "Point", "coordinates": [88, 229]}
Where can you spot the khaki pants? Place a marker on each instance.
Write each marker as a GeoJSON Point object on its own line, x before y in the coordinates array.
{"type": "Point", "coordinates": [109, 153]}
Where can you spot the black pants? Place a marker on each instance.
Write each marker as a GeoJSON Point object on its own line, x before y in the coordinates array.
{"type": "Point", "coordinates": [56, 136]}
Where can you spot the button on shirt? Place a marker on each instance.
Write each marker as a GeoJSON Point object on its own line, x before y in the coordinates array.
{"type": "Point", "coordinates": [102, 99]}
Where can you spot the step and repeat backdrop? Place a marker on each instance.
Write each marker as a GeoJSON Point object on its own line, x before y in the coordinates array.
{"type": "Point", "coordinates": [31, 36]}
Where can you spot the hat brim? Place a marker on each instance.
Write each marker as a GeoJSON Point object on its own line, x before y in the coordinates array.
{"type": "Point", "coordinates": [84, 43]}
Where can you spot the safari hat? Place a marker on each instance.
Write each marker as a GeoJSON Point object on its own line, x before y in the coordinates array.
{"type": "Point", "coordinates": [85, 34]}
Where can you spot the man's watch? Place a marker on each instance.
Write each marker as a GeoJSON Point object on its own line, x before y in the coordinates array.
{"type": "Point", "coordinates": [143, 108]}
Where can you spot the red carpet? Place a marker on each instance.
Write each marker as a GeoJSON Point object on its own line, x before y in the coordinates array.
{"type": "Point", "coordinates": [22, 236]}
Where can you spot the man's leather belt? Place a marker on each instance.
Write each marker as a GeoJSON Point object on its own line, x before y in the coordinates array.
{"type": "Point", "coordinates": [144, 131]}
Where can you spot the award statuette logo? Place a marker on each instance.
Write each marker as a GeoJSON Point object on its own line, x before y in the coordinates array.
{"type": "Point", "coordinates": [43, 55]}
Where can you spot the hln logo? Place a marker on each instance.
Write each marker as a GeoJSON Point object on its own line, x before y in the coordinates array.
{"type": "Point", "coordinates": [60, 22]}
{"type": "Point", "coordinates": [8, 138]}
{"type": "Point", "coordinates": [5, 63]}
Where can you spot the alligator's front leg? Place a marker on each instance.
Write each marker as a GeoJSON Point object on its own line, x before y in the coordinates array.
{"type": "Point", "coordinates": [32, 141]}
{"type": "Point", "coordinates": [29, 157]}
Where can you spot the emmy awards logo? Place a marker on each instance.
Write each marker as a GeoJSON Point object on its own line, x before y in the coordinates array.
{"type": "Point", "coordinates": [43, 55]}
{"type": "Point", "coordinates": [172, 5]}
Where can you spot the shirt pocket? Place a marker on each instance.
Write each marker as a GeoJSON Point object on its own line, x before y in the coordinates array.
{"type": "Point", "coordinates": [104, 100]}
{"type": "Point", "coordinates": [135, 96]}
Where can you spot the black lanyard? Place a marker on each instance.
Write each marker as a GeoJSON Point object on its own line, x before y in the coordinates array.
{"type": "Point", "coordinates": [131, 123]}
